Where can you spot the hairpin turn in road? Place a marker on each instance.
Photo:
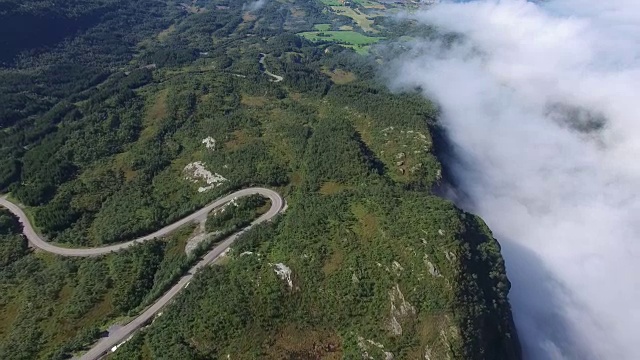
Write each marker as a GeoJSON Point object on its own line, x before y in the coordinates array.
{"type": "Point", "coordinates": [118, 336]}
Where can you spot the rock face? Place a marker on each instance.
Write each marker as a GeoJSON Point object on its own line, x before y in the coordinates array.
{"type": "Point", "coordinates": [284, 273]}
{"type": "Point", "coordinates": [400, 310]}
{"type": "Point", "coordinates": [209, 143]}
{"type": "Point", "coordinates": [196, 172]}
{"type": "Point", "coordinates": [481, 303]}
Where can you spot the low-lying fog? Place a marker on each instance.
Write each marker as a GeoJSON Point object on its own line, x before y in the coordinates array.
{"type": "Point", "coordinates": [541, 102]}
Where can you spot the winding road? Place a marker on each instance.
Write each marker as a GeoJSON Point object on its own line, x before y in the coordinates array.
{"type": "Point", "coordinates": [276, 78]}
{"type": "Point", "coordinates": [118, 336]}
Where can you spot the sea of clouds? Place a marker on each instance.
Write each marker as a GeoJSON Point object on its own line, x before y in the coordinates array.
{"type": "Point", "coordinates": [541, 101]}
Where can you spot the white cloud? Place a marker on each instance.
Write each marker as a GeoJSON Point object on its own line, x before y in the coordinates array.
{"type": "Point", "coordinates": [255, 5]}
{"type": "Point", "coordinates": [560, 193]}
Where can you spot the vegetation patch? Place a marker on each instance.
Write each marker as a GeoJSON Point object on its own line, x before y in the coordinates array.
{"type": "Point", "coordinates": [238, 139]}
{"type": "Point", "coordinates": [248, 17]}
{"type": "Point", "coordinates": [294, 342]}
{"type": "Point", "coordinates": [322, 27]}
{"type": "Point", "coordinates": [341, 77]}
{"type": "Point", "coordinates": [164, 34]}
{"type": "Point", "coordinates": [363, 21]}
{"type": "Point", "coordinates": [332, 2]}
{"type": "Point", "coordinates": [237, 213]}
{"type": "Point", "coordinates": [367, 222]}
{"type": "Point", "coordinates": [159, 107]}
{"type": "Point", "coordinates": [335, 261]}
{"type": "Point", "coordinates": [341, 37]}
{"type": "Point", "coordinates": [257, 101]}
{"type": "Point", "coordinates": [407, 154]}
{"type": "Point", "coordinates": [155, 112]}
{"type": "Point", "coordinates": [298, 13]}
{"type": "Point", "coordinates": [332, 187]}
{"type": "Point", "coordinates": [369, 4]}
{"type": "Point", "coordinates": [192, 8]}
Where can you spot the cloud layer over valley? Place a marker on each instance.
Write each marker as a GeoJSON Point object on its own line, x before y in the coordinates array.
{"type": "Point", "coordinates": [540, 103]}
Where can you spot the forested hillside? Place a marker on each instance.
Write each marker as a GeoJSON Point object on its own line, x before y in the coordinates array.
{"type": "Point", "coordinates": [131, 115]}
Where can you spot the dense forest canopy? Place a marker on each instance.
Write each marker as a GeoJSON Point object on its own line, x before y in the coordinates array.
{"type": "Point", "coordinates": [119, 117]}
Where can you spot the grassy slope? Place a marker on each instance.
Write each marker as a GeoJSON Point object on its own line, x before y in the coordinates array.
{"type": "Point", "coordinates": [347, 37]}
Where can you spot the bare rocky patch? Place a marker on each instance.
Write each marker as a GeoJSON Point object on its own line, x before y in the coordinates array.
{"type": "Point", "coordinates": [197, 173]}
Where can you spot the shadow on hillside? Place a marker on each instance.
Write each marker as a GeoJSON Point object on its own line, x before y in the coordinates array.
{"type": "Point", "coordinates": [541, 305]}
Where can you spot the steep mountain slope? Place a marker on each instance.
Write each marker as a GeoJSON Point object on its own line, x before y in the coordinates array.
{"type": "Point", "coordinates": [366, 261]}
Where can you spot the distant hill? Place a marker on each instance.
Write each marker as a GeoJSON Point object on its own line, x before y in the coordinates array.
{"type": "Point", "coordinates": [32, 24]}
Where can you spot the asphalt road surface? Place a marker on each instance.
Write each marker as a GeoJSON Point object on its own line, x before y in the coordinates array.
{"type": "Point", "coordinates": [118, 336]}
{"type": "Point", "coordinates": [277, 78]}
